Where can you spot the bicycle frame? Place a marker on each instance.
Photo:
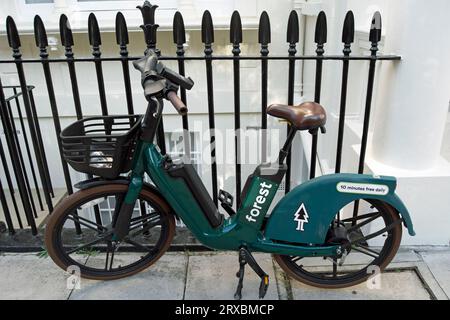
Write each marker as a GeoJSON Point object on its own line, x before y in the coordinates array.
{"type": "Point", "coordinates": [245, 228]}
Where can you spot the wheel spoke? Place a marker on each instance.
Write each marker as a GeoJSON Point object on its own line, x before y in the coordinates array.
{"type": "Point", "coordinates": [89, 243]}
{"type": "Point", "coordinates": [369, 220]}
{"type": "Point", "coordinates": [363, 216]}
{"type": "Point", "coordinates": [364, 252]}
{"type": "Point", "coordinates": [84, 222]}
{"type": "Point", "coordinates": [368, 249]}
{"type": "Point", "coordinates": [144, 223]}
{"type": "Point", "coordinates": [295, 259]}
{"type": "Point", "coordinates": [144, 217]}
{"type": "Point", "coordinates": [146, 226]}
{"type": "Point", "coordinates": [376, 234]}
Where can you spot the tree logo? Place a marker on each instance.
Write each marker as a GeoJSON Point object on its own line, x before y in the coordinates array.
{"type": "Point", "coordinates": [301, 216]}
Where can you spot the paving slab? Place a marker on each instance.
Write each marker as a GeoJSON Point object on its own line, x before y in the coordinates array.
{"type": "Point", "coordinates": [439, 265]}
{"type": "Point", "coordinates": [402, 285]}
{"type": "Point", "coordinates": [25, 276]}
{"type": "Point", "coordinates": [163, 280]}
{"type": "Point", "coordinates": [213, 276]}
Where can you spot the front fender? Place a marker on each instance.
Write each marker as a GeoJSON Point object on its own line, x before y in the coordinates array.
{"type": "Point", "coordinates": [304, 214]}
{"type": "Point", "coordinates": [85, 184]}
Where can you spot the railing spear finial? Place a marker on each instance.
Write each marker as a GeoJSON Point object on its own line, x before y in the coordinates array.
{"type": "Point", "coordinates": [179, 33]}
{"type": "Point", "coordinates": [122, 33]}
{"type": "Point", "coordinates": [13, 37]}
{"type": "Point", "coordinates": [207, 32]}
{"type": "Point", "coordinates": [375, 32]}
{"type": "Point", "coordinates": [40, 35]}
{"type": "Point", "coordinates": [320, 36]}
{"type": "Point", "coordinates": [95, 39]}
{"type": "Point", "coordinates": [264, 33]}
{"type": "Point", "coordinates": [348, 32]}
{"type": "Point", "coordinates": [236, 32]}
{"type": "Point", "coordinates": [292, 34]}
{"type": "Point", "coordinates": [65, 32]}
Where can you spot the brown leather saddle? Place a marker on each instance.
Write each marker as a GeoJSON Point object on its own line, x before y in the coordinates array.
{"type": "Point", "coordinates": [305, 116]}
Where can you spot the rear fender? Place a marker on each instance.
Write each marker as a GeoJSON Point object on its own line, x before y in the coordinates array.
{"type": "Point", "coordinates": [304, 214]}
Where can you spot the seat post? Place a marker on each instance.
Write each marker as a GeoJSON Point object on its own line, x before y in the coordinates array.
{"type": "Point", "coordinates": [285, 150]}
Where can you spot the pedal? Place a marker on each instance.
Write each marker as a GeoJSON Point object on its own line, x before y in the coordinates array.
{"type": "Point", "coordinates": [246, 257]}
{"type": "Point", "coordinates": [226, 201]}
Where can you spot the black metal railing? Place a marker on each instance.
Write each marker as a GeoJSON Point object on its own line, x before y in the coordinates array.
{"type": "Point", "coordinates": [10, 106]}
{"type": "Point", "coordinates": [149, 28]}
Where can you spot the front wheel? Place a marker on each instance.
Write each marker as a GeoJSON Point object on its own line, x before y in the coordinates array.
{"type": "Point", "coordinates": [372, 237]}
{"type": "Point", "coordinates": [79, 233]}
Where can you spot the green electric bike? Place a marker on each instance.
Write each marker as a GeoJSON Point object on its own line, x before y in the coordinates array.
{"type": "Point", "coordinates": [328, 232]}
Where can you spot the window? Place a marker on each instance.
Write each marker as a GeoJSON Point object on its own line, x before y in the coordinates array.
{"type": "Point", "coordinates": [38, 1]}
{"type": "Point", "coordinates": [111, 5]}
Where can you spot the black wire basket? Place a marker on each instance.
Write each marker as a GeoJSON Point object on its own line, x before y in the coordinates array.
{"type": "Point", "coordinates": [101, 146]}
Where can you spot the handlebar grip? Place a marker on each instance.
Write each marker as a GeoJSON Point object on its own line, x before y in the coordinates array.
{"type": "Point", "coordinates": [177, 103]}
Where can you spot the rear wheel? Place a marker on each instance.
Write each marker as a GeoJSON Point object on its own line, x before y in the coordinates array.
{"type": "Point", "coordinates": [93, 250]}
{"type": "Point", "coordinates": [373, 238]}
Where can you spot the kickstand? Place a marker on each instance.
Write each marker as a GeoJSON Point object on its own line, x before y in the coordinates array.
{"type": "Point", "coordinates": [246, 257]}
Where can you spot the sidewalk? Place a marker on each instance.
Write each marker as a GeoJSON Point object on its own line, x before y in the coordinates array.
{"type": "Point", "coordinates": [416, 273]}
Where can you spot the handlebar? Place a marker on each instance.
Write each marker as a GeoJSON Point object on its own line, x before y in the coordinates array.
{"type": "Point", "coordinates": [177, 103]}
{"type": "Point", "coordinates": [156, 78]}
{"type": "Point", "coordinates": [154, 71]}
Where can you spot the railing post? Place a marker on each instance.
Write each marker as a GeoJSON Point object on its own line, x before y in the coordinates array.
{"type": "Point", "coordinates": [6, 210]}
{"type": "Point", "coordinates": [236, 40]}
{"type": "Point", "coordinates": [292, 37]}
{"type": "Point", "coordinates": [348, 34]}
{"type": "Point", "coordinates": [10, 185]}
{"type": "Point", "coordinates": [179, 38]}
{"type": "Point", "coordinates": [122, 41]}
{"type": "Point", "coordinates": [374, 38]}
{"type": "Point", "coordinates": [208, 40]}
{"type": "Point", "coordinates": [67, 41]}
{"type": "Point", "coordinates": [95, 41]}
{"type": "Point", "coordinates": [27, 147]}
{"type": "Point", "coordinates": [264, 40]}
{"type": "Point", "coordinates": [14, 43]}
{"type": "Point", "coordinates": [320, 39]}
{"type": "Point", "coordinates": [40, 36]}
{"type": "Point", "coordinates": [20, 154]}
{"type": "Point", "coordinates": [12, 148]}
{"type": "Point", "coordinates": [149, 27]}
